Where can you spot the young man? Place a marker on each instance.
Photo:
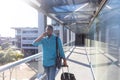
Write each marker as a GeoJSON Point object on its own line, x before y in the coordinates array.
{"type": "Point", "coordinates": [48, 41]}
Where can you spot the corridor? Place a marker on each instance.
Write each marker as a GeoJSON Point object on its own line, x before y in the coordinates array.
{"type": "Point", "coordinates": [89, 31]}
{"type": "Point", "coordinates": [78, 64]}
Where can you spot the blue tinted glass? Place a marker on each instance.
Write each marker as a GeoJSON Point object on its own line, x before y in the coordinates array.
{"type": "Point", "coordinates": [112, 7]}
{"type": "Point", "coordinates": [105, 36]}
{"type": "Point", "coordinates": [66, 8]}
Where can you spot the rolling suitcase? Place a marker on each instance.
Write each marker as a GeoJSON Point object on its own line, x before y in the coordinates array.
{"type": "Point", "coordinates": [67, 75]}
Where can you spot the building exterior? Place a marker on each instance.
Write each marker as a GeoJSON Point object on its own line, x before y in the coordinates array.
{"type": "Point", "coordinates": [5, 42]}
{"type": "Point", "coordinates": [24, 39]}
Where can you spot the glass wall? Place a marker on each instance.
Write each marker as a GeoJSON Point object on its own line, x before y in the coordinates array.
{"type": "Point", "coordinates": [103, 42]}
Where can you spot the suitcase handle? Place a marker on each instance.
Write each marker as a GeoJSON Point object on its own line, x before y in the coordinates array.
{"type": "Point", "coordinates": [66, 67]}
{"type": "Point", "coordinates": [67, 70]}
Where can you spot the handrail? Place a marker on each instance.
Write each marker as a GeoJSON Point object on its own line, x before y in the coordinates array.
{"type": "Point", "coordinates": [68, 43]}
{"type": "Point", "coordinates": [13, 64]}
{"type": "Point", "coordinates": [27, 59]}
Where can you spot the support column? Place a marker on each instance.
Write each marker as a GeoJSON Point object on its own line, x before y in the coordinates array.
{"type": "Point", "coordinates": [41, 25]}
{"type": "Point", "coordinates": [74, 36]}
{"type": "Point", "coordinates": [68, 36]}
{"type": "Point", "coordinates": [71, 36]}
{"type": "Point", "coordinates": [41, 28]}
{"type": "Point", "coordinates": [61, 33]}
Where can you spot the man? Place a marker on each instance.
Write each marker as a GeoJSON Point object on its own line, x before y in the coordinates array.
{"type": "Point", "coordinates": [48, 41]}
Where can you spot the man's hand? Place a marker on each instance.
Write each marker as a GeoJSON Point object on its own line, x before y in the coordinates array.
{"type": "Point", "coordinates": [44, 34]}
{"type": "Point", "coordinates": [64, 62]}
{"type": "Point", "coordinates": [40, 37]}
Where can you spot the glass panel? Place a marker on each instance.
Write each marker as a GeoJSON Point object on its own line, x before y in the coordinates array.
{"type": "Point", "coordinates": [68, 46]}
{"type": "Point", "coordinates": [71, 13]}
{"type": "Point", "coordinates": [25, 71]}
{"type": "Point", "coordinates": [66, 8]}
{"type": "Point", "coordinates": [104, 42]}
{"type": "Point", "coordinates": [27, 68]}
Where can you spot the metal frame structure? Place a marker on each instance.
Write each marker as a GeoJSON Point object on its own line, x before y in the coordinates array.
{"type": "Point", "coordinates": [76, 15]}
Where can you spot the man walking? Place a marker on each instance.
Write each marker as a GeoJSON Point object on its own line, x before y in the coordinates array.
{"type": "Point", "coordinates": [48, 42]}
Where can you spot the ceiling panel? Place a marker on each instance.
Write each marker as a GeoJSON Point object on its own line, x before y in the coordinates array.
{"type": "Point", "coordinates": [75, 14]}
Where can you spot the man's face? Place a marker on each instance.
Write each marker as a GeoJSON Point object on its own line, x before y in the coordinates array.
{"type": "Point", "coordinates": [49, 31]}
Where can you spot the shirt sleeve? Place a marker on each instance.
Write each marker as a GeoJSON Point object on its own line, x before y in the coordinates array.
{"type": "Point", "coordinates": [38, 43]}
{"type": "Point", "coordinates": [61, 48]}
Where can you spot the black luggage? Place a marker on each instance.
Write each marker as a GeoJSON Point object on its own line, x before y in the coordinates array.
{"type": "Point", "coordinates": [67, 75]}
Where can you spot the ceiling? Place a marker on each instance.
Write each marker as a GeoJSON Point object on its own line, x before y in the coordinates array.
{"type": "Point", "coordinates": [76, 15]}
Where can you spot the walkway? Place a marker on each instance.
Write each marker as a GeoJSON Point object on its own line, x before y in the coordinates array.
{"type": "Point", "coordinates": [77, 60]}
{"type": "Point", "coordinates": [78, 64]}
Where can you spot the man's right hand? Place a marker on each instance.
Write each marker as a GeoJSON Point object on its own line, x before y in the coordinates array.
{"type": "Point", "coordinates": [44, 34]}
{"type": "Point", "coordinates": [40, 37]}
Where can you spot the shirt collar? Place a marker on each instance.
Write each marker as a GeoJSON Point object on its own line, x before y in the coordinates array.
{"type": "Point", "coordinates": [50, 36]}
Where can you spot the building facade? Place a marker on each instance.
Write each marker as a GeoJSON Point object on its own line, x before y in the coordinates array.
{"type": "Point", "coordinates": [6, 42]}
{"type": "Point", "coordinates": [24, 39]}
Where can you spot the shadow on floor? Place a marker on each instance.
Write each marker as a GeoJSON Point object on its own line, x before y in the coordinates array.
{"type": "Point", "coordinates": [80, 63]}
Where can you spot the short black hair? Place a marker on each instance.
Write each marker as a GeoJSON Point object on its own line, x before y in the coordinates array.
{"type": "Point", "coordinates": [50, 26]}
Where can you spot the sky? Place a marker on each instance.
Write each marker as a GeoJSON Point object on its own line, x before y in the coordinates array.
{"type": "Point", "coordinates": [16, 13]}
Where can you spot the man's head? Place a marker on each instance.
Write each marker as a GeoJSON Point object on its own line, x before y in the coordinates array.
{"type": "Point", "coordinates": [49, 30]}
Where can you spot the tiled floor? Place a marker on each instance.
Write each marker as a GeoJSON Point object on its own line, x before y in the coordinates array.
{"type": "Point", "coordinates": [78, 65]}
{"type": "Point", "coordinates": [77, 59]}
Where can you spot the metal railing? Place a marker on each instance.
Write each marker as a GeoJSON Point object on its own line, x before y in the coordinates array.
{"type": "Point", "coordinates": [29, 68]}
{"type": "Point", "coordinates": [10, 71]}
{"type": "Point", "coordinates": [27, 59]}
